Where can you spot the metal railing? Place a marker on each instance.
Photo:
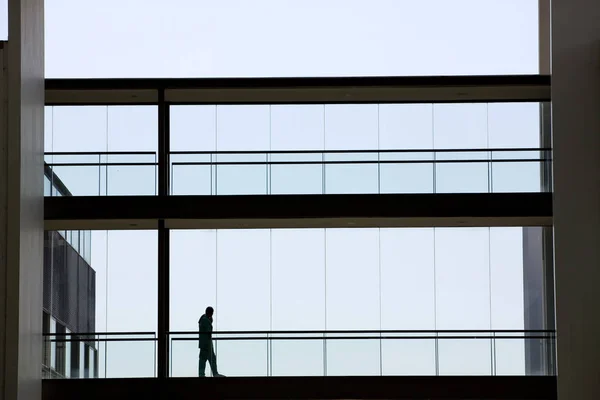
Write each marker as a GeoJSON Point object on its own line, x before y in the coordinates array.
{"type": "Point", "coordinates": [383, 353]}
{"type": "Point", "coordinates": [303, 172]}
{"type": "Point", "coordinates": [306, 353]}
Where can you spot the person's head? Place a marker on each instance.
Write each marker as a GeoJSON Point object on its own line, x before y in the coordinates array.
{"type": "Point", "coordinates": [209, 311]}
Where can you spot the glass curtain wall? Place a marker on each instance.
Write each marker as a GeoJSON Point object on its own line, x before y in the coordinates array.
{"type": "Point", "coordinates": [424, 279]}
{"type": "Point", "coordinates": [100, 304]}
{"type": "Point", "coordinates": [198, 130]}
{"type": "Point", "coordinates": [102, 150]}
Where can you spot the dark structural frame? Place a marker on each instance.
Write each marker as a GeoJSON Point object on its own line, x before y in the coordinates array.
{"type": "Point", "coordinates": [166, 92]}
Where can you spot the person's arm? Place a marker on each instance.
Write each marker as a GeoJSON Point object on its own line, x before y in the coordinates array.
{"type": "Point", "coordinates": [205, 329]}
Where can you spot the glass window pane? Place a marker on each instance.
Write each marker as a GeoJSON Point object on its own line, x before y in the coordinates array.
{"type": "Point", "coordinates": [407, 280]}
{"type": "Point", "coordinates": [506, 261]}
{"type": "Point", "coordinates": [243, 282]}
{"type": "Point", "coordinates": [408, 357]}
{"type": "Point", "coordinates": [460, 126]}
{"type": "Point", "coordinates": [132, 180]}
{"type": "Point", "coordinates": [405, 126]}
{"type": "Point", "coordinates": [48, 126]}
{"type": "Point", "coordinates": [79, 180]}
{"type": "Point", "coordinates": [130, 359]}
{"type": "Point", "coordinates": [297, 358]}
{"type": "Point", "coordinates": [358, 357]}
{"type": "Point", "coordinates": [241, 179]}
{"type": "Point", "coordinates": [351, 127]}
{"type": "Point", "coordinates": [193, 174]}
{"type": "Point", "coordinates": [465, 356]}
{"type": "Point", "coordinates": [243, 128]}
{"type": "Point", "coordinates": [79, 128]}
{"type": "Point", "coordinates": [184, 353]}
{"type": "Point", "coordinates": [406, 178]}
{"type": "Point", "coordinates": [296, 178]}
{"type": "Point", "coordinates": [241, 357]}
{"type": "Point", "coordinates": [462, 261]}
{"type": "Point", "coordinates": [457, 177]}
{"type": "Point", "coordinates": [509, 355]}
{"type": "Point", "coordinates": [352, 263]}
{"type": "Point", "coordinates": [298, 268]}
{"type": "Point", "coordinates": [193, 281]}
{"type": "Point", "coordinates": [193, 128]}
{"type": "Point", "coordinates": [514, 125]}
{"type": "Point", "coordinates": [297, 127]}
{"type": "Point", "coordinates": [130, 260]}
{"type": "Point", "coordinates": [351, 178]}
{"type": "Point", "coordinates": [132, 128]}
{"type": "Point", "coordinates": [516, 177]}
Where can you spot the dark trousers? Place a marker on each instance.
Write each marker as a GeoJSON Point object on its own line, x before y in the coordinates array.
{"type": "Point", "coordinates": [207, 354]}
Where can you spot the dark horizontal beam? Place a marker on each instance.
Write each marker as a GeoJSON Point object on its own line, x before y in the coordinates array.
{"type": "Point", "coordinates": [300, 90]}
{"type": "Point", "coordinates": [299, 211]}
{"type": "Point", "coordinates": [292, 82]}
{"type": "Point", "coordinates": [307, 388]}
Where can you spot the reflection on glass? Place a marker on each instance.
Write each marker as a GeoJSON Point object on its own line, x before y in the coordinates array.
{"type": "Point", "coordinates": [82, 366]}
{"type": "Point", "coordinates": [68, 353]}
{"type": "Point", "coordinates": [79, 181]}
{"type": "Point", "coordinates": [92, 362]}
{"type": "Point", "coordinates": [53, 344]}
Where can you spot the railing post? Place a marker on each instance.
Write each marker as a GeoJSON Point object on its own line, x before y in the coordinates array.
{"type": "Point", "coordinates": [163, 240]}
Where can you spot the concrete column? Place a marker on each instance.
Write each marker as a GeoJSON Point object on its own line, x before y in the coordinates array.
{"type": "Point", "coordinates": [576, 137]}
{"type": "Point", "coordinates": [21, 202]}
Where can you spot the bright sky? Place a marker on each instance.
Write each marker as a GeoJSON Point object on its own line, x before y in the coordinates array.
{"type": "Point", "coordinates": [232, 38]}
{"type": "Point", "coordinates": [353, 279]}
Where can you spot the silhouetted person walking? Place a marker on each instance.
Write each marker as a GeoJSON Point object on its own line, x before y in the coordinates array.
{"type": "Point", "coordinates": [205, 344]}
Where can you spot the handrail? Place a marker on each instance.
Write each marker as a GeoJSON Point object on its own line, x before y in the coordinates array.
{"type": "Point", "coordinates": [96, 153]}
{"type": "Point", "coordinates": [98, 333]}
{"type": "Point", "coordinates": [353, 162]}
{"type": "Point", "coordinates": [291, 332]}
{"type": "Point", "coordinates": [291, 338]}
{"type": "Point", "coordinates": [350, 151]}
{"type": "Point", "coordinates": [355, 151]}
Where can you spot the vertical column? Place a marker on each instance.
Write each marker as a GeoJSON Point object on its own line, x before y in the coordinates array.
{"type": "Point", "coordinates": [163, 240]}
{"type": "Point", "coordinates": [21, 202]}
{"type": "Point", "coordinates": [576, 137]}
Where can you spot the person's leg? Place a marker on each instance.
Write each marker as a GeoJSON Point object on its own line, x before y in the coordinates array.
{"type": "Point", "coordinates": [213, 362]}
{"type": "Point", "coordinates": [202, 357]}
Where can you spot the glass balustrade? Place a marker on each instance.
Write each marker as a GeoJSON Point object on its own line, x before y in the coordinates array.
{"type": "Point", "coordinates": [99, 355]}
{"type": "Point", "coordinates": [301, 172]}
{"type": "Point", "coordinates": [365, 353]}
